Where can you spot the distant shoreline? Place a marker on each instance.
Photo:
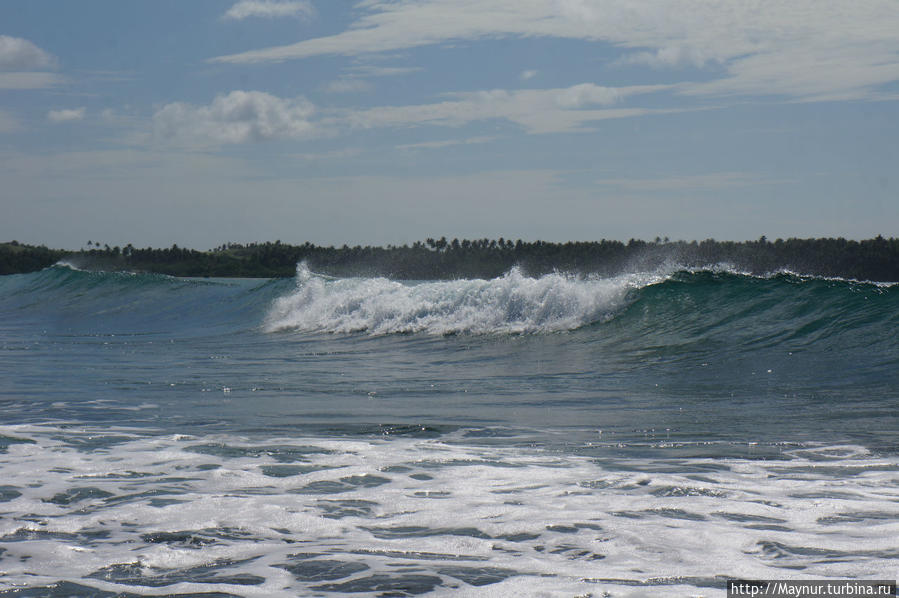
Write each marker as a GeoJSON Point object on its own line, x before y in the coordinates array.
{"type": "Point", "coordinates": [874, 259]}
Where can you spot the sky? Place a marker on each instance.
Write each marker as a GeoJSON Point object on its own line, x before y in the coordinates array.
{"type": "Point", "coordinates": [202, 122]}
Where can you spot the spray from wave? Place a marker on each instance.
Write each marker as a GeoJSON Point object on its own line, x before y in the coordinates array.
{"type": "Point", "coordinates": [512, 303]}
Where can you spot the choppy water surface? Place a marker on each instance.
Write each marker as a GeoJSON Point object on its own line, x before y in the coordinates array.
{"type": "Point", "coordinates": [559, 436]}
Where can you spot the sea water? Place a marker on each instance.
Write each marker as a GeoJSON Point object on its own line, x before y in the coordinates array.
{"type": "Point", "coordinates": [655, 433]}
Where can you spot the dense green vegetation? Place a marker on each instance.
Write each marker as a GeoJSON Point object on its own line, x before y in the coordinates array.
{"type": "Point", "coordinates": [872, 259]}
{"type": "Point", "coordinates": [15, 257]}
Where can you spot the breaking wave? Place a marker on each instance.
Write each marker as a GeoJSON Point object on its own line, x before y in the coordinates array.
{"type": "Point", "coordinates": [512, 303]}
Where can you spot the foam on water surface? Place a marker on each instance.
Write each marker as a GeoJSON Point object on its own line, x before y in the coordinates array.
{"type": "Point", "coordinates": [122, 511]}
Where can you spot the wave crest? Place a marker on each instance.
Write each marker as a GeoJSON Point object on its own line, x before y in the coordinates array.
{"type": "Point", "coordinates": [510, 304]}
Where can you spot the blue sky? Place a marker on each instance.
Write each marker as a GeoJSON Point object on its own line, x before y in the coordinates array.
{"type": "Point", "coordinates": [388, 121]}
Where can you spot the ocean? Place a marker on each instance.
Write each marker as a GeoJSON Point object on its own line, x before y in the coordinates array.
{"type": "Point", "coordinates": [650, 434]}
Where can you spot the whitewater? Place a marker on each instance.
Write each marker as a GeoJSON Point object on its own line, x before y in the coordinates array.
{"type": "Point", "coordinates": [653, 433]}
{"type": "Point", "coordinates": [511, 304]}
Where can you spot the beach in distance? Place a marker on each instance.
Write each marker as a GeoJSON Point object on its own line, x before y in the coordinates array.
{"type": "Point", "coordinates": [653, 431]}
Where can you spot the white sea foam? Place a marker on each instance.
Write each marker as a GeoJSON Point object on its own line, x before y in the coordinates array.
{"type": "Point", "coordinates": [468, 520]}
{"type": "Point", "coordinates": [512, 303]}
{"type": "Point", "coordinates": [68, 264]}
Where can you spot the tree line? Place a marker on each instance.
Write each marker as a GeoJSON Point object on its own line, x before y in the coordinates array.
{"type": "Point", "coordinates": [872, 259]}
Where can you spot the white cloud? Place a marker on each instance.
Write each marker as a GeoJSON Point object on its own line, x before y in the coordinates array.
{"type": "Point", "coordinates": [29, 80]}
{"type": "Point", "coordinates": [388, 25]}
{"type": "Point", "coordinates": [586, 94]}
{"type": "Point", "coordinates": [65, 115]}
{"type": "Point", "coordinates": [270, 9]}
{"type": "Point", "coordinates": [841, 50]}
{"type": "Point", "coordinates": [245, 116]}
{"type": "Point", "coordinates": [806, 74]}
{"type": "Point", "coordinates": [525, 75]}
{"type": "Point", "coordinates": [17, 54]}
{"type": "Point", "coordinates": [19, 59]}
{"type": "Point", "coordinates": [670, 57]}
{"type": "Point", "coordinates": [237, 117]}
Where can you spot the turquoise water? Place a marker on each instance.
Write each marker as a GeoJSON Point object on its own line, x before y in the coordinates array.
{"type": "Point", "coordinates": [559, 435]}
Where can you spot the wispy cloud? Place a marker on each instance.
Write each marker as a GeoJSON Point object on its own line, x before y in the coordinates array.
{"type": "Point", "coordinates": [387, 25]}
{"type": "Point", "coordinates": [806, 74]}
{"type": "Point", "coordinates": [797, 49]}
{"type": "Point", "coordinates": [18, 54]}
{"type": "Point", "coordinates": [270, 9]}
{"type": "Point", "coordinates": [383, 71]}
{"type": "Point", "coordinates": [30, 80]}
{"type": "Point", "coordinates": [526, 75]}
{"type": "Point", "coordinates": [536, 110]}
{"type": "Point", "coordinates": [445, 143]}
{"type": "Point", "coordinates": [237, 117]}
{"type": "Point", "coordinates": [347, 85]}
{"type": "Point", "coordinates": [328, 155]}
{"type": "Point", "coordinates": [695, 182]}
{"type": "Point", "coordinates": [8, 123]}
{"type": "Point", "coordinates": [66, 115]}
{"type": "Point", "coordinates": [354, 79]}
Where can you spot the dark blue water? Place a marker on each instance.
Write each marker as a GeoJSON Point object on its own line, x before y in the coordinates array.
{"type": "Point", "coordinates": [363, 437]}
